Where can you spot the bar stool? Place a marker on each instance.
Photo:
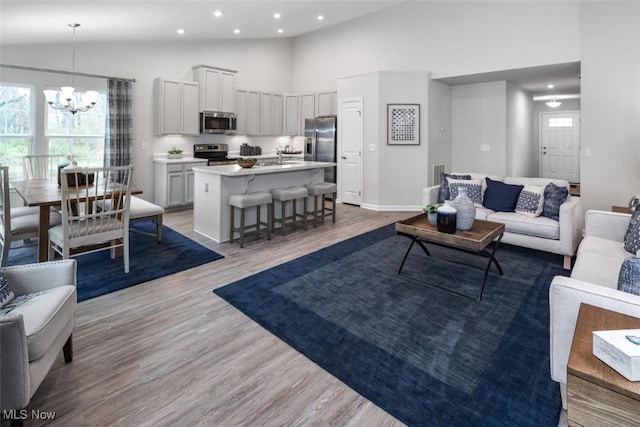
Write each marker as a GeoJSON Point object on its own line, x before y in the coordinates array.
{"type": "Point", "coordinates": [244, 201]}
{"type": "Point", "coordinates": [293, 194]}
{"type": "Point", "coordinates": [321, 190]}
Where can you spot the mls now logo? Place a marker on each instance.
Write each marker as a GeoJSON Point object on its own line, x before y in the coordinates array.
{"type": "Point", "coordinates": [23, 414]}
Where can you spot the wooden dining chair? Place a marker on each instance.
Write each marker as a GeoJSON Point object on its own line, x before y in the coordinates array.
{"type": "Point", "coordinates": [20, 223]}
{"type": "Point", "coordinates": [85, 229]}
{"type": "Point", "coordinates": [41, 166]}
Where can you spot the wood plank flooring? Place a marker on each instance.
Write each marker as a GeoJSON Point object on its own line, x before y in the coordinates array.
{"type": "Point", "coordinates": [170, 352]}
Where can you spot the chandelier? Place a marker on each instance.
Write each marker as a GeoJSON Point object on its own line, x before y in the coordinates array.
{"type": "Point", "coordinates": [65, 99]}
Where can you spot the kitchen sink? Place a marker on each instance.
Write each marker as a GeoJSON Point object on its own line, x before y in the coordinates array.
{"type": "Point", "coordinates": [276, 163]}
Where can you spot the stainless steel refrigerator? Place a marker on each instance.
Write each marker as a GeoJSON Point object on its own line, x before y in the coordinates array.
{"type": "Point", "coordinates": [321, 142]}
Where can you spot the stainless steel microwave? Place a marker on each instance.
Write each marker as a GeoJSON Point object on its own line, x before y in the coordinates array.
{"type": "Point", "coordinates": [215, 122]}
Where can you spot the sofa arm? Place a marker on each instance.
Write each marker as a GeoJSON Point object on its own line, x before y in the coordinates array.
{"type": "Point", "coordinates": [571, 225]}
{"type": "Point", "coordinates": [608, 225]}
{"type": "Point", "coordinates": [430, 195]}
{"type": "Point", "coordinates": [565, 297]}
{"type": "Point", "coordinates": [31, 278]}
{"type": "Point", "coordinates": [15, 385]}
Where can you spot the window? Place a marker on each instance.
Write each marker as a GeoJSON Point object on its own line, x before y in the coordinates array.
{"type": "Point", "coordinates": [16, 125]}
{"type": "Point", "coordinates": [80, 134]}
{"type": "Point", "coordinates": [561, 122]}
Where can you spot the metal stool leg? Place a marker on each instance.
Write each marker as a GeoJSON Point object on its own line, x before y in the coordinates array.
{"type": "Point", "coordinates": [269, 219]}
{"type": "Point", "coordinates": [242, 227]}
{"type": "Point", "coordinates": [231, 221]}
{"type": "Point", "coordinates": [283, 205]}
{"type": "Point", "coordinates": [258, 221]}
{"type": "Point", "coordinates": [304, 209]}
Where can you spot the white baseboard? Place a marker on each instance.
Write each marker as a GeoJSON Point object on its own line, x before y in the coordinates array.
{"type": "Point", "coordinates": [386, 208]}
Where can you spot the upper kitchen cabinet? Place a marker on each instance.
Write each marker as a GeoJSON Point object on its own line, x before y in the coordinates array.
{"type": "Point", "coordinates": [175, 107]}
{"type": "Point", "coordinates": [217, 88]}
{"type": "Point", "coordinates": [326, 103]}
{"type": "Point", "coordinates": [266, 113]}
{"type": "Point", "coordinates": [241, 112]}
{"type": "Point", "coordinates": [307, 109]}
{"type": "Point", "coordinates": [290, 114]}
{"type": "Point", "coordinates": [277, 115]}
{"type": "Point", "coordinates": [253, 112]}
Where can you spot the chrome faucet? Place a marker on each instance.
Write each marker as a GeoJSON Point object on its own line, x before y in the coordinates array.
{"type": "Point", "coordinates": [279, 153]}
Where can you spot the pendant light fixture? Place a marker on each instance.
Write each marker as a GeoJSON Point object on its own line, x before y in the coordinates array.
{"type": "Point", "coordinates": [554, 103]}
{"type": "Point", "coordinates": [65, 99]}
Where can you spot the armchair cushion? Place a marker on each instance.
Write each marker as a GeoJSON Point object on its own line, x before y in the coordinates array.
{"type": "Point", "coordinates": [6, 294]}
{"type": "Point", "coordinates": [629, 277]}
{"type": "Point", "coordinates": [45, 315]}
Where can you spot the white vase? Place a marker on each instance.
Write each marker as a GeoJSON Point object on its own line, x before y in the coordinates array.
{"type": "Point", "coordinates": [466, 210]}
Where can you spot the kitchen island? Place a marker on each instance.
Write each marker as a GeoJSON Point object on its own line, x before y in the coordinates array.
{"type": "Point", "coordinates": [214, 184]}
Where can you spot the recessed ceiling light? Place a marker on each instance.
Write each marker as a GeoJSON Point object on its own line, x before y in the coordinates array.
{"type": "Point", "coordinates": [180, 31]}
{"type": "Point", "coordinates": [276, 15]}
{"type": "Point", "coordinates": [217, 14]}
{"type": "Point", "coordinates": [550, 86]}
{"type": "Point", "coordinates": [280, 31]}
{"type": "Point", "coordinates": [320, 17]}
{"type": "Point", "coordinates": [236, 31]}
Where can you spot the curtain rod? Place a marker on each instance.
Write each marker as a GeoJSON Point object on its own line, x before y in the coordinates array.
{"type": "Point", "coordinates": [47, 70]}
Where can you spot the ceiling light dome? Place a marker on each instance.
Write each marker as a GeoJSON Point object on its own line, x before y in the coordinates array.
{"type": "Point", "coordinates": [554, 103]}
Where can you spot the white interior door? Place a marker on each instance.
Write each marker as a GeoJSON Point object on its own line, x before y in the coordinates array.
{"type": "Point", "coordinates": [560, 146]}
{"type": "Point", "coordinates": [350, 160]}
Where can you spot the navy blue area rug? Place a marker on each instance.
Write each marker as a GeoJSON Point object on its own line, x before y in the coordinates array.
{"type": "Point", "coordinates": [98, 274]}
{"type": "Point", "coordinates": [426, 356]}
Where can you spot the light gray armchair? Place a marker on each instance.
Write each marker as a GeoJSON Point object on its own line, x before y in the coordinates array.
{"type": "Point", "coordinates": [34, 327]}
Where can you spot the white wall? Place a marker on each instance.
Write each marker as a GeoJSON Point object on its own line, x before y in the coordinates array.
{"type": "Point", "coordinates": [439, 127]}
{"type": "Point", "coordinates": [261, 64]}
{"type": "Point", "coordinates": [478, 115]}
{"type": "Point", "coordinates": [520, 145]}
{"type": "Point", "coordinates": [610, 68]}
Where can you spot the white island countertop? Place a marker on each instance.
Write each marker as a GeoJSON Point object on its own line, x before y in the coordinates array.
{"type": "Point", "coordinates": [287, 166]}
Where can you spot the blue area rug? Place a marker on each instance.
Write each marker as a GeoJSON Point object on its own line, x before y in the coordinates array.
{"type": "Point", "coordinates": [98, 274]}
{"type": "Point", "coordinates": [426, 356]}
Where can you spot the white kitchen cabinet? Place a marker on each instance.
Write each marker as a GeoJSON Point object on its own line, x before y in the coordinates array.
{"type": "Point", "coordinates": [175, 107]}
{"type": "Point", "coordinates": [241, 112]}
{"type": "Point", "coordinates": [326, 103]}
{"type": "Point", "coordinates": [266, 114]}
{"type": "Point", "coordinates": [253, 112]}
{"type": "Point", "coordinates": [290, 114]}
{"type": "Point", "coordinates": [174, 183]}
{"type": "Point", "coordinates": [277, 115]}
{"type": "Point", "coordinates": [307, 110]}
{"type": "Point", "coordinates": [217, 88]}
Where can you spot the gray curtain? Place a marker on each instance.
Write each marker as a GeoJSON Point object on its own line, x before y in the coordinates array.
{"type": "Point", "coordinates": [119, 128]}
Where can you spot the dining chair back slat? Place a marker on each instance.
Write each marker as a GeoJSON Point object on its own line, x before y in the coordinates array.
{"type": "Point", "coordinates": [41, 166]}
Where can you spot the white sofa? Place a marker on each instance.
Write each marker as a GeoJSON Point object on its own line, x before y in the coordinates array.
{"type": "Point", "coordinates": [560, 237]}
{"type": "Point", "coordinates": [35, 327]}
{"type": "Point", "coordinates": [594, 281]}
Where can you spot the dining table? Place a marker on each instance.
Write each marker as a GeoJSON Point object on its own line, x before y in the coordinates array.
{"type": "Point", "coordinates": [45, 194]}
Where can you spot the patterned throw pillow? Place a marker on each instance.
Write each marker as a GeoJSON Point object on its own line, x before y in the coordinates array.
{"type": "Point", "coordinates": [554, 196]}
{"type": "Point", "coordinates": [6, 294]}
{"type": "Point", "coordinates": [501, 197]}
{"type": "Point", "coordinates": [474, 189]}
{"type": "Point", "coordinates": [629, 277]}
{"type": "Point", "coordinates": [530, 201]}
{"type": "Point", "coordinates": [443, 192]}
{"type": "Point", "coordinates": [632, 236]}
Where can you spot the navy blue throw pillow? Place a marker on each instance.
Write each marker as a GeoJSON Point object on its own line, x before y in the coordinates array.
{"type": "Point", "coordinates": [501, 197]}
{"type": "Point", "coordinates": [554, 196]}
{"type": "Point", "coordinates": [443, 192]}
{"type": "Point", "coordinates": [629, 277]}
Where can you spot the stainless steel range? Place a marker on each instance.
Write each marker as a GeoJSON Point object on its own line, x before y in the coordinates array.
{"type": "Point", "coordinates": [216, 154]}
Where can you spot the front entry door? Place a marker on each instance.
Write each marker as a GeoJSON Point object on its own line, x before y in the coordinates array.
{"type": "Point", "coordinates": [560, 146]}
{"type": "Point", "coordinates": [350, 161]}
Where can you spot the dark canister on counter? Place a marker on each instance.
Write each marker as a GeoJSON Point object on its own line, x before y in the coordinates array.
{"type": "Point", "coordinates": [447, 215]}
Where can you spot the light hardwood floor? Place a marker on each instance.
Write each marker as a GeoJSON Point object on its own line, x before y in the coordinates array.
{"type": "Point", "coordinates": [170, 352]}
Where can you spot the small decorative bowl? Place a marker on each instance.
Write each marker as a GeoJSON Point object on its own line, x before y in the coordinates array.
{"type": "Point", "coordinates": [246, 163]}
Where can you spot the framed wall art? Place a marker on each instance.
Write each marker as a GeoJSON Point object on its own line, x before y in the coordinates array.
{"type": "Point", "coordinates": [403, 124]}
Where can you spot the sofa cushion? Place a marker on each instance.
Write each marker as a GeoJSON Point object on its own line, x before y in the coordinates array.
{"type": "Point", "coordinates": [530, 201]}
{"type": "Point", "coordinates": [45, 315]}
{"type": "Point", "coordinates": [632, 236]}
{"type": "Point", "coordinates": [520, 224]}
{"type": "Point", "coordinates": [554, 196]}
{"type": "Point", "coordinates": [483, 213]}
{"type": "Point", "coordinates": [474, 189]}
{"type": "Point", "coordinates": [443, 191]}
{"type": "Point", "coordinates": [501, 197]}
{"type": "Point", "coordinates": [629, 277]}
{"type": "Point", "coordinates": [599, 261]}
{"type": "Point", "coordinates": [6, 294]}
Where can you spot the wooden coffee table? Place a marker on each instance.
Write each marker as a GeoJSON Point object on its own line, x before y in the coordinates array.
{"type": "Point", "coordinates": [597, 395]}
{"type": "Point", "coordinates": [474, 241]}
